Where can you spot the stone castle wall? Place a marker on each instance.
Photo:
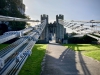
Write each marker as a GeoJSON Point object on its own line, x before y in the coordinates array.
{"type": "Point", "coordinates": [56, 28]}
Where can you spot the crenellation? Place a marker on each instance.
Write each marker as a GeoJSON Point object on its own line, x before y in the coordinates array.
{"type": "Point", "coordinates": [53, 28]}
{"type": "Point", "coordinates": [44, 35]}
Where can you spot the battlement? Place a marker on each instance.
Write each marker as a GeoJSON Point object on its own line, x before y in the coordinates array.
{"type": "Point", "coordinates": [60, 16]}
{"type": "Point", "coordinates": [44, 16]}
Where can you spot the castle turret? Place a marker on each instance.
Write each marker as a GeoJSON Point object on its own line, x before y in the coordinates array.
{"type": "Point", "coordinates": [44, 35]}
{"type": "Point", "coordinates": [60, 28]}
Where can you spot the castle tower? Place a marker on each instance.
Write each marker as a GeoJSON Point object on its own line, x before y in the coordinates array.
{"type": "Point", "coordinates": [44, 35]}
{"type": "Point", "coordinates": [60, 28]}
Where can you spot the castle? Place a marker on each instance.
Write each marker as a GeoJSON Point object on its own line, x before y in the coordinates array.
{"type": "Point", "coordinates": [53, 29]}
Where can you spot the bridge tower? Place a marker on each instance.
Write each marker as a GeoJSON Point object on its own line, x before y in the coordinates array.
{"type": "Point", "coordinates": [44, 35]}
{"type": "Point", "coordinates": [60, 28]}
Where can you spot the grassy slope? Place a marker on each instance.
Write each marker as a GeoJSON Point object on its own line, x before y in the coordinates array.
{"type": "Point", "coordinates": [88, 49]}
{"type": "Point", "coordinates": [33, 64]}
{"type": "Point", "coordinates": [3, 46]}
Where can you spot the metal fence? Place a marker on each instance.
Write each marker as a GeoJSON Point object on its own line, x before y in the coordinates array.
{"type": "Point", "coordinates": [14, 55]}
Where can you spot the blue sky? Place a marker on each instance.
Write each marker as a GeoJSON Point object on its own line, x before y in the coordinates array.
{"type": "Point", "coordinates": [71, 9]}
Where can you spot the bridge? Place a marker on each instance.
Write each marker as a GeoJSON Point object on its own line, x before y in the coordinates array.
{"type": "Point", "coordinates": [14, 56]}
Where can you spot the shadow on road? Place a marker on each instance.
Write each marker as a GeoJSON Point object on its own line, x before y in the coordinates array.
{"type": "Point", "coordinates": [60, 61]}
{"type": "Point", "coordinates": [68, 57]}
{"type": "Point", "coordinates": [82, 63]}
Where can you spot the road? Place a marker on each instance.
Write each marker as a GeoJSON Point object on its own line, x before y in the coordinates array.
{"type": "Point", "coordinates": [64, 61]}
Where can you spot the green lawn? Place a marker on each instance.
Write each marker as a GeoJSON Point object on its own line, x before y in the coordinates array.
{"type": "Point", "coordinates": [3, 46]}
{"type": "Point", "coordinates": [87, 49]}
{"type": "Point", "coordinates": [32, 65]}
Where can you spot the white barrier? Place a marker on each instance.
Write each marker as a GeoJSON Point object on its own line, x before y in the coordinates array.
{"type": "Point", "coordinates": [1, 63]}
{"type": "Point", "coordinates": [32, 38]}
{"type": "Point", "coordinates": [13, 34]}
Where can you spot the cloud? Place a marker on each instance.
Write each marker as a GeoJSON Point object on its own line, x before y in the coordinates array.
{"type": "Point", "coordinates": [26, 7]}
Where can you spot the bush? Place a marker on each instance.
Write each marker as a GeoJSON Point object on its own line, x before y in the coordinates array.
{"type": "Point", "coordinates": [81, 40]}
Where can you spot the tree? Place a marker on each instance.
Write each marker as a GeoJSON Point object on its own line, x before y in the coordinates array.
{"type": "Point", "coordinates": [73, 33]}
{"type": "Point", "coordinates": [3, 28]}
{"type": "Point", "coordinates": [10, 8]}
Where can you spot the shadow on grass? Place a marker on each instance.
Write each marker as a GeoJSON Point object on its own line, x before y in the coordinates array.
{"type": "Point", "coordinates": [83, 47]}
{"type": "Point", "coordinates": [81, 60]}
{"type": "Point", "coordinates": [32, 65]}
{"type": "Point", "coordinates": [98, 46]}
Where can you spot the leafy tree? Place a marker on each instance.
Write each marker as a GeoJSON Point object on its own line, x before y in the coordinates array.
{"type": "Point", "coordinates": [73, 33]}
{"type": "Point", "coordinates": [3, 28]}
{"type": "Point", "coordinates": [10, 8]}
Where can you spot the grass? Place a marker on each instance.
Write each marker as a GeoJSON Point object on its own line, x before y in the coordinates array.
{"type": "Point", "coordinates": [32, 65]}
{"type": "Point", "coordinates": [3, 46]}
{"type": "Point", "coordinates": [87, 49]}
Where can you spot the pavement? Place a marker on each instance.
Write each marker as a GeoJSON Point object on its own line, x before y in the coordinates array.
{"type": "Point", "coordinates": [64, 61]}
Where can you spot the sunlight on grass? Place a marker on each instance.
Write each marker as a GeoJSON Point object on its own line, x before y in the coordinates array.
{"type": "Point", "coordinates": [82, 47]}
{"type": "Point", "coordinates": [33, 64]}
{"type": "Point", "coordinates": [94, 54]}
{"type": "Point", "coordinates": [87, 49]}
{"type": "Point", "coordinates": [3, 46]}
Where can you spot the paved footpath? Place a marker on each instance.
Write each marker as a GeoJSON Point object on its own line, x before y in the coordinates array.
{"type": "Point", "coordinates": [63, 61]}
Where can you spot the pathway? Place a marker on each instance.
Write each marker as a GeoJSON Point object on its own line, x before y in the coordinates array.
{"type": "Point", "coordinates": [62, 61]}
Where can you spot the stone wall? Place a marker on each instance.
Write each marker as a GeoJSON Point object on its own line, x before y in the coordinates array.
{"type": "Point", "coordinates": [54, 28]}
{"type": "Point", "coordinates": [44, 35]}
{"type": "Point", "coordinates": [60, 28]}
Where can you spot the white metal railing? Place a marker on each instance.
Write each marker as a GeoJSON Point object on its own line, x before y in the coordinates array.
{"type": "Point", "coordinates": [22, 47]}
{"type": "Point", "coordinates": [7, 18]}
{"type": "Point", "coordinates": [97, 34]}
{"type": "Point", "coordinates": [84, 21]}
{"type": "Point", "coordinates": [93, 36]}
{"type": "Point", "coordinates": [81, 28]}
{"type": "Point", "coordinates": [13, 34]}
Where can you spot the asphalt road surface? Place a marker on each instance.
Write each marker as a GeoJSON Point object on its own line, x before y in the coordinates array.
{"type": "Point", "coordinates": [64, 61]}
